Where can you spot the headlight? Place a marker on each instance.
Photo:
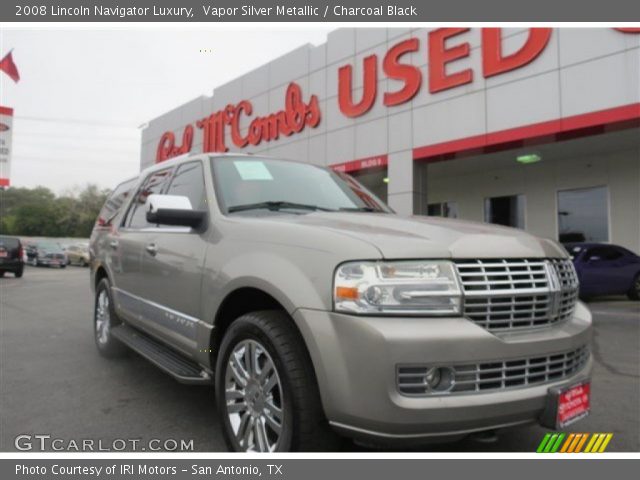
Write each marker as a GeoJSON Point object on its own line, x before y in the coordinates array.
{"type": "Point", "coordinates": [405, 287]}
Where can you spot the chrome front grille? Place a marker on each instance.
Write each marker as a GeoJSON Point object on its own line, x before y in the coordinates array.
{"type": "Point", "coordinates": [511, 294]}
{"type": "Point", "coordinates": [496, 375]}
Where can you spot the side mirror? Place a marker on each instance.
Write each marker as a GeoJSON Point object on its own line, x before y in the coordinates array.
{"type": "Point", "coordinates": [173, 210]}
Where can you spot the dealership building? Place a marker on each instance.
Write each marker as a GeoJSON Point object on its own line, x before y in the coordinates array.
{"type": "Point", "coordinates": [533, 128]}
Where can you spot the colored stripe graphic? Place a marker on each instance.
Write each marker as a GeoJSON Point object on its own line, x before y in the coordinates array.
{"type": "Point", "coordinates": [543, 443]}
{"type": "Point", "coordinates": [556, 445]}
{"type": "Point", "coordinates": [593, 439]}
{"type": "Point", "coordinates": [574, 443]}
{"type": "Point", "coordinates": [579, 439]}
{"type": "Point", "coordinates": [606, 441]}
{"type": "Point", "coordinates": [582, 442]}
{"type": "Point", "coordinates": [567, 443]}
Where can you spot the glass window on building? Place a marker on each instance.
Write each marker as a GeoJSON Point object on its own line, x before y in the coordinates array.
{"type": "Point", "coordinates": [443, 209]}
{"type": "Point", "coordinates": [583, 215]}
{"type": "Point", "coordinates": [507, 210]}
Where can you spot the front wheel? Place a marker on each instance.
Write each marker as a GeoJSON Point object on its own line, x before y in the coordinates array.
{"type": "Point", "coordinates": [266, 390]}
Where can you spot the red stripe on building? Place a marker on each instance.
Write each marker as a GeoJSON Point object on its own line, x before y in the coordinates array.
{"type": "Point", "coordinates": [4, 182]}
{"type": "Point", "coordinates": [362, 163]}
{"type": "Point", "coordinates": [6, 111]}
{"type": "Point", "coordinates": [625, 116]}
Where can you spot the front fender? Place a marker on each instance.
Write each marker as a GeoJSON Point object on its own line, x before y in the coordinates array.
{"type": "Point", "coordinates": [278, 275]}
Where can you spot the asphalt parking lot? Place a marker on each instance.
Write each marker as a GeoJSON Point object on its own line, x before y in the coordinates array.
{"type": "Point", "coordinates": [53, 382]}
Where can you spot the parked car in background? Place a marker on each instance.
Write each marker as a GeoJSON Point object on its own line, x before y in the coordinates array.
{"type": "Point", "coordinates": [605, 269]}
{"type": "Point", "coordinates": [47, 254]}
{"type": "Point", "coordinates": [316, 310]}
{"type": "Point", "coordinates": [11, 253]}
{"type": "Point", "coordinates": [78, 254]}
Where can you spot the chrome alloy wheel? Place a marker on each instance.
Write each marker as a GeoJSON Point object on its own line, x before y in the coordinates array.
{"type": "Point", "coordinates": [103, 317]}
{"type": "Point", "coordinates": [253, 397]}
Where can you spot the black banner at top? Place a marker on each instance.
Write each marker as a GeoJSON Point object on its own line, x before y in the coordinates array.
{"type": "Point", "coordinates": [319, 11]}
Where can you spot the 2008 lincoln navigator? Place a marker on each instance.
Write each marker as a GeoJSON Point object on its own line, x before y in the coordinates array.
{"type": "Point", "coordinates": [318, 312]}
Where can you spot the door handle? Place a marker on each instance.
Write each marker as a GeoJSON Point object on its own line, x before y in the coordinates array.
{"type": "Point", "coordinates": [151, 249]}
{"type": "Point", "coordinates": [113, 244]}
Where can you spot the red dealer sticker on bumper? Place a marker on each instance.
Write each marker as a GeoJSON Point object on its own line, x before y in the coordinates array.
{"type": "Point", "coordinates": [574, 403]}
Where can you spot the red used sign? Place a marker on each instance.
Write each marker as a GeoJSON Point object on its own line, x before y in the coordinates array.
{"type": "Point", "coordinates": [442, 50]}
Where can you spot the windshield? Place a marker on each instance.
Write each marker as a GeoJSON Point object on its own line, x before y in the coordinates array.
{"type": "Point", "coordinates": [247, 184]}
{"type": "Point", "coordinates": [50, 247]}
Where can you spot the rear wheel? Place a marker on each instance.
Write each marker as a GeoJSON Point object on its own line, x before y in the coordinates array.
{"type": "Point", "coordinates": [266, 391]}
{"type": "Point", "coordinates": [1, 274]}
{"type": "Point", "coordinates": [104, 319]}
{"type": "Point", "coordinates": [634, 291]}
{"type": "Point", "coordinates": [18, 273]}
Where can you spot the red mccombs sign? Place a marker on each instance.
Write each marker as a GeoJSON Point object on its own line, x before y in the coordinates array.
{"type": "Point", "coordinates": [442, 47]}
{"type": "Point", "coordinates": [295, 116]}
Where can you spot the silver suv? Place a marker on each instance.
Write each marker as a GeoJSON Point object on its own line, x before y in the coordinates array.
{"type": "Point", "coordinates": [318, 312]}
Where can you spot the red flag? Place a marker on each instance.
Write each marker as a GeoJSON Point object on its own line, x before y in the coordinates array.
{"type": "Point", "coordinates": [8, 67]}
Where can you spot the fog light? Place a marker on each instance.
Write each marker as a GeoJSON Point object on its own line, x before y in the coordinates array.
{"type": "Point", "coordinates": [439, 379]}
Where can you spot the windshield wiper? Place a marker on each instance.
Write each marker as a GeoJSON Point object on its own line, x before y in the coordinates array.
{"type": "Point", "coordinates": [360, 209]}
{"type": "Point", "coordinates": [275, 206]}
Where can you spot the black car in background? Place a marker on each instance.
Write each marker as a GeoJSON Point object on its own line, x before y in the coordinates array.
{"type": "Point", "coordinates": [47, 254]}
{"type": "Point", "coordinates": [11, 256]}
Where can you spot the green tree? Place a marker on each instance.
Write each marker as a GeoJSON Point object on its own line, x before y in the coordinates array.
{"type": "Point", "coordinates": [38, 212]}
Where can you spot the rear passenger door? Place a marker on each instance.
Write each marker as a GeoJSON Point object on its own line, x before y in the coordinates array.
{"type": "Point", "coordinates": [172, 265]}
{"type": "Point", "coordinates": [105, 236]}
{"type": "Point", "coordinates": [126, 247]}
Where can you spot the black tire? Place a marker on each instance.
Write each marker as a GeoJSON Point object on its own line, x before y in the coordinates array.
{"type": "Point", "coordinates": [634, 291]}
{"type": "Point", "coordinates": [18, 273]}
{"type": "Point", "coordinates": [108, 346]}
{"type": "Point", "coordinates": [1, 274]}
{"type": "Point", "coordinates": [304, 425]}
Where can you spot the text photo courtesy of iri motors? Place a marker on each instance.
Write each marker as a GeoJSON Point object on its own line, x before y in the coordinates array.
{"type": "Point", "coordinates": [348, 240]}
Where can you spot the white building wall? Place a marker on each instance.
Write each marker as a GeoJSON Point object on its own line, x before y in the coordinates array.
{"type": "Point", "coordinates": [540, 183]}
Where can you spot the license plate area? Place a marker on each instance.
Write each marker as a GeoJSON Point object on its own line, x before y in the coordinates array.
{"type": "Point", "coordinates": [566, 404]}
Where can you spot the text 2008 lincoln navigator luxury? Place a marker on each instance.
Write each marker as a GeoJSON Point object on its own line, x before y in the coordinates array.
{"type": "Point", "coordinates": [318, 312]}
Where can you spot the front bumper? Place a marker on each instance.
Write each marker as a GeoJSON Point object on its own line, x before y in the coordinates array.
{"type": "Point", "coordinates": [51, 262]}
{"type": "Point", "coordinates": [355, 360]}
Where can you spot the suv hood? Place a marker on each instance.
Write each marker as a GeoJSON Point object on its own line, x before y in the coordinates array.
{"type": "Point", "coordinates": [397, 237]}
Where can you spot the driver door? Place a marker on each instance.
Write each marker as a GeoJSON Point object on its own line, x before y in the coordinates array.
{"type": "Point", "coordinates": [172, 266]}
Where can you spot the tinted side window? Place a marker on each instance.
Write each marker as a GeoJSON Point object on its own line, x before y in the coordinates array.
{"type": "Point", "coordinates": [604, 253]}
{"type": "Point", "coordinates": [114, 202]}
{"type": "Point", "coordinates": [155, 183]}
{"type": "Point", "coordinates": [188, 181]}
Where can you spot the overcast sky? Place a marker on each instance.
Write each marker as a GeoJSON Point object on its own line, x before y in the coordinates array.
{"type": "Point", "coordinates": [83, 93]}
